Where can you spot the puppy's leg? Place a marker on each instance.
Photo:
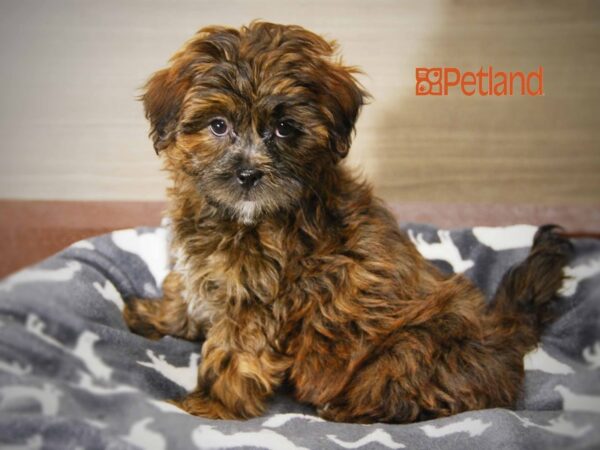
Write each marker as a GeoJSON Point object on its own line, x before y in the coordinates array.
{"type": "Point", "coordinates": [381, 391]}
{"type": "Point", "coordinates": [238, 373]}
{"type": "Point", "coordinates": [155, 318]}
{"type": "Point", "coordinates": [425, 377]}
{"type": "Point", "coordinates": [431, 364]}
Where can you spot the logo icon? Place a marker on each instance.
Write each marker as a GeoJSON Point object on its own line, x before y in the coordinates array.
{"type": "Point", "coordinates": [429, 81]}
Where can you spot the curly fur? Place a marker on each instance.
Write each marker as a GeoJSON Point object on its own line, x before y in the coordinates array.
{"type": "Point", "coordinates": [305, 277]}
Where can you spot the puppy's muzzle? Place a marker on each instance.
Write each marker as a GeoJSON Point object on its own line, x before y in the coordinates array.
{"type": "Point", "coordinates": [248, 177]}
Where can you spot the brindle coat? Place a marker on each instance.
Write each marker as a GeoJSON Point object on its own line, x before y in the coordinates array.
{"type": "Point", "coordinates": [303, 277]}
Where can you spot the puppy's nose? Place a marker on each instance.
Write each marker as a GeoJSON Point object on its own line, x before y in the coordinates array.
{"type": "Point", "coordinates": [248, 177]}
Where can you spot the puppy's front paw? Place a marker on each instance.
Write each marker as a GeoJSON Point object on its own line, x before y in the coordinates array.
{"type": "Point", "coordinates": [200, 405]}
{"type": "Point", "coordinates": [335, 413]}
{"type": "Point", "coordinates": [138, 315]}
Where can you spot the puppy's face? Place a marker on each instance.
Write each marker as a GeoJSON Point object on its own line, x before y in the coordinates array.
{"type": "Point", "coordinates": [254, 116]}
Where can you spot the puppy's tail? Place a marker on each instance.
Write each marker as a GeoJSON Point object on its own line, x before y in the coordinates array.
{"type": "Point", "coordinates": [524, 301]}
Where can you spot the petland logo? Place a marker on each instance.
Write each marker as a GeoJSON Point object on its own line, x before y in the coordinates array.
{"type": "Point", "coordinates": [440, 80]}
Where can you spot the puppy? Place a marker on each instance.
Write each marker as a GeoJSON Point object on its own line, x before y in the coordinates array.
{"type": "Point", "coordinates": [288, 268]}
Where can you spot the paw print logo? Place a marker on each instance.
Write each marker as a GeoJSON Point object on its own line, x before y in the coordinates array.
{"type": "Point", "coordinates": [429, 81]}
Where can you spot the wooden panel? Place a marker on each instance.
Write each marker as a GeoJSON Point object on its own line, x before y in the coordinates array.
{"type": "Point", "coordinates": [33, 230]}
{"type": "Point", "coordinates": [71, 128]}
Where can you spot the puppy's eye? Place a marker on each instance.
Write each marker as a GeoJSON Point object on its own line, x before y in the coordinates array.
{"type": "Point", "coordinates": [284, 129]}
{"type": "Point", "coordinates": [218, 127]}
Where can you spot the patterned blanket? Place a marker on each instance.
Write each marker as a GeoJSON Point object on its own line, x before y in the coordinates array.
{"type": "Point", "coordinates": [72, 376]}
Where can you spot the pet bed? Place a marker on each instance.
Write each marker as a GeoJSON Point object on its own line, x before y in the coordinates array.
{"type": "Point", "coordinates": [73, 376]}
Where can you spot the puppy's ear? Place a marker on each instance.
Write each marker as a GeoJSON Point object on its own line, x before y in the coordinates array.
{"type": "Point", "coordinates": [345, 97]}
{"type": "Point", "coordinates": [165, 92]}
{"type": "Point", "coordinates": [339, 92]}
{"type": "Point", "coordinates": [163, 99]}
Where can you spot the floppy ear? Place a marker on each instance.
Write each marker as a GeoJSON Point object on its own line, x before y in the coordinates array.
{"type": "Point", "coordinates": [163, 99]}
{"type": "Point", "coordinates": [345, 97]}
{"type": "Point", "coordinates": [339, 91]}
{"type": "Point", "coordinates": [166, 90]}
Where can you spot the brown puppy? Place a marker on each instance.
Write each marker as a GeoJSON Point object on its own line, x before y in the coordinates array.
{"type": "Point", "coordinates": [289, 267]}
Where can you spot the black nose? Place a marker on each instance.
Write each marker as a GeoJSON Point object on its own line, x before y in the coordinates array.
{"type": "Point", "coordinates": [248, 177]}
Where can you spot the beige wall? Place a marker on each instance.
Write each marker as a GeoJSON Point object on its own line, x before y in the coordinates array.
{"type": "Point", "coordinates": [70, 71]}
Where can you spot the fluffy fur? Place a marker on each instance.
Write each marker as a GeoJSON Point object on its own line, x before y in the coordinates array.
{"type": "Point", "coordinates": [288, 268]}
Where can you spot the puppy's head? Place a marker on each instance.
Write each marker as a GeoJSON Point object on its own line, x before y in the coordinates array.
{"type": "Point", "coordinates": [254, 116]}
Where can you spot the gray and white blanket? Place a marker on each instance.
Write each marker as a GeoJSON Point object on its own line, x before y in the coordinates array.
{"type": "Point", "coordinates": [73, 376]}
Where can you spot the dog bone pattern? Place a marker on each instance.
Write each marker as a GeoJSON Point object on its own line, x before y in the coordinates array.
{"type": "Point", "coordinates": [574, 275]}
{"type": "Point", "coordinates": [558, 426]}
{"type": "Point", "coordinates": [505, 238]}
{"type": "Point", "coordinates": [87, 383]}
{"type": "Point", "coordinates": [444, 250]}
{"type": "Point", "coordinates": [184, 376]}
{"type": "Point", "coordinates": [378, 436]}
{"type": "Point", "coordinates": [73, 376]}
{"type": "Point", "coordinates": [473, 427]}
{"type": "Point", "coordinates": [110, 294]}
{"type": "Point", "coordinates": [15, 368]}
{"type": "Point", "coordinates": [206, 436]}
{"type": "Point", "coordinates": [83, 349]}
{"type": "Point", "coordinates": [592, 355]}
{"type": "Point", "coordinates": [281, 419]}
{"type": "Point", "coordinates": [539, 359]}
{"type": "Point", "coordinates": [150, 247]}
{"type": "Point", "coordinates": [577, 402]}
{"type": "Point", "coordinates": [144, 437]}
{"type": "Point", "coordinates": [47, 397]}
{"type": "Point", "coordinates": [29, 276]}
